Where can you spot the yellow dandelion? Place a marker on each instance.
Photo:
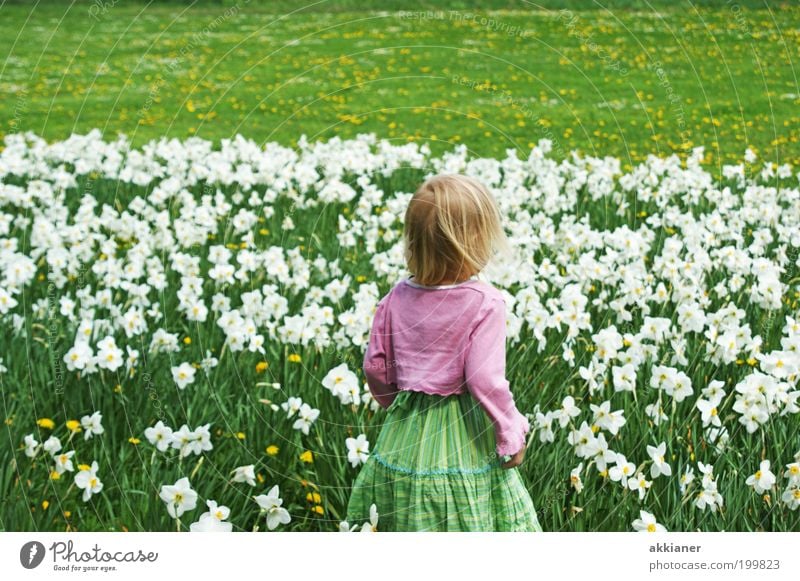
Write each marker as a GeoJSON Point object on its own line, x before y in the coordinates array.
{"type": "Point", "coordinates": [45, 504]}
{"type": "Point", "coordinates": [84, 467]}
{"type": "Point", "coordinates": [272, 450]}
{"type": "Point", "coordinates": [240, 435]}
{"type": "Point", "coordinates": [307, 457]}
{"type": "Point", "coordinates": [46, 423]}
{"type": "Point", "coordinates": [261, 366]}
{"type": "Point", "coordinates": [318, 509]}
{"type": "Point", "coordinates": [73, 425]}
{"type": "Point", "coordinates": [54, 475]}
{"type": "Point", "coordinates": [134, 441]}
{"type": "Point", "coordinates": [187, 340]}
{"type": "Point", "coordinates": [314, 497]}
{"type": "Point", "coordinates": [294, 358]}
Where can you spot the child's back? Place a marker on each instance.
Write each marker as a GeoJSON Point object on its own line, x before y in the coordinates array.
{"type": "Point", "coordinates": [446, 457]}
{"type": "Point", "coordinates": [445, 340]}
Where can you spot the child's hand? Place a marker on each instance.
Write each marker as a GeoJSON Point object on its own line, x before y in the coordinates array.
{"type": "Point", "coordinates": [516, 459]}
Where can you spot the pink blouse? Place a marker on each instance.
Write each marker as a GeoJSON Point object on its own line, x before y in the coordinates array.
{"type": "Point", "coordinates": [444, 340]}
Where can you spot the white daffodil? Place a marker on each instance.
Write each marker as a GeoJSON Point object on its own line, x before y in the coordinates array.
{"type": "Point", "coordinates": [245, 474]}
{"type": "Point", "coordinates": [307, 416]}
{"type": "Point", "coordinates": [183, 375]}
{"type": "Point", "coordinates": [213, 521]}
{"type": "Point", "coordinates": [659, 465]}
{"type": "Point", "coordinates": [271, 503]}
{"type": "Point", "coordinates": [32, 447]}
{"type": "Point", "coordinates": [708, 412]}
{"type": "Point", "coordinates": [52, 445]}
{"type": "Point", "coordinates": [357, 450]}
{"type": "Point", "coordinates": [639, 484]}
{"type": "Point", "coordinates": [606, 419]}
{"type": "Point", "coordinates": [622, 470]}
{"type": "Point", "coordinates": [686, 479]}
{"type": "Point", "coordinates": [91, 425]}
{"type": "Point", "coordinates": [292, 406]}
{"type": "Point", "coordinates": [342, 383]}
{"type": "Point", "coordinates": [763, 480]}
{"type": "Point", "coordinates": [568, 411]}
{"type": "Point", "coordinates": [159, 436]}
{"type": "Point", "coordinates": [372, 525]}
{"type": "Point", "coordinates": [792, 472]}
{"type": "Point", "coordinates": [79, 356]}
{"type": "Point", "coordinates": [109, 356]}
{"type": "Point", "coordinates": [88, 481]}
{"type": "Point", "coordinates": [64, 461]}
{"type": "Point", "coordinates": [575, 478]}
{"type": "Point", "coordinates": [791, 497]}
{"type": "Point", "coordinates": [646, 523]}
{"type": "Point", "coordinates": [179, 497]}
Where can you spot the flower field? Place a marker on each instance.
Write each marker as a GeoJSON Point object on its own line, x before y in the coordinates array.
{"type": "Point", "coordinates": [183, 326]}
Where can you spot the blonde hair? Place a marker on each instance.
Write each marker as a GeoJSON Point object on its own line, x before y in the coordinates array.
{"type": "Point", "coordinates": [452, 229]}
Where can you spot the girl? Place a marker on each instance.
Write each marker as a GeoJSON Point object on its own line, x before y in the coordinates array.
{"type": "Point", "coordinates": [446, 459]}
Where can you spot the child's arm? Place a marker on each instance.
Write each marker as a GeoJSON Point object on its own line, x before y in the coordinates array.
{"type": "Point", "coordinates": [376, 367]}
{"type": "Point", "coordinates": [485, 373]}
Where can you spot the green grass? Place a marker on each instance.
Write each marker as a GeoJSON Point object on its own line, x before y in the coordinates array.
{"type": "Point", "coordinates": [628, 80]}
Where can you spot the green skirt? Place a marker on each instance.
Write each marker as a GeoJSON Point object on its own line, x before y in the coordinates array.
{"type": "Point", "coordinates": [434, 468]}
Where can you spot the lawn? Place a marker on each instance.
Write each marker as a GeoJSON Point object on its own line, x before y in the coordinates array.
{"type": "Point", "coordinates": [626, 81]}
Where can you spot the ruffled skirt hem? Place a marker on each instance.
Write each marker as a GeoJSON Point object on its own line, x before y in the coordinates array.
{"type": "Point", "coordinates": [433, 468]}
